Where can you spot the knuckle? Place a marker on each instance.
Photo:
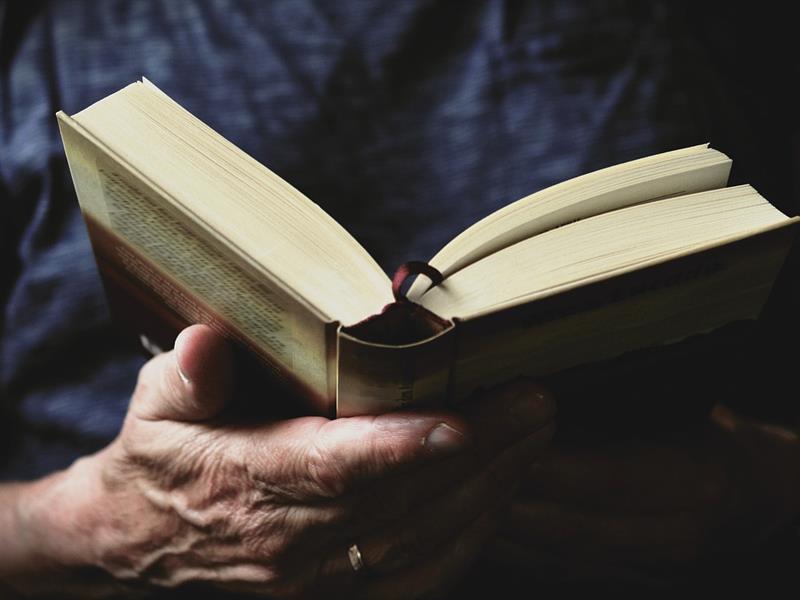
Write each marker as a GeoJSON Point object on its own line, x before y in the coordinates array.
{"type": "Point", "coordinates": [324, 472]}
{"type": "Point", "coordinates": [154, 386]}
{"type": "Point", "coordinates": [388, 448]}
{"type": "Point", "coordinates": [169, 388]}
{"type": "Point", "coordinates": [148, 375]}
{"type": "Point", "coordinates": [334, 515]}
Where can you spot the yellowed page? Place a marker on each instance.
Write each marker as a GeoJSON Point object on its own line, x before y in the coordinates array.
{"type": "Point", "coordinates": [673, 173]}
{"type": "Point", "coordinates": [181, 272]}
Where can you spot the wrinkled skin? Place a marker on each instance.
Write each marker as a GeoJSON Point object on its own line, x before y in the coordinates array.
{"type": "Point", "coordinates": [184, 496]}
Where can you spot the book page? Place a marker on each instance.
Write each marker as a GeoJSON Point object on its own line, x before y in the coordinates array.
{"type": "Point", "coordinates": [674, 173]}
{"type": "Point", "coordinates": [257, 213]}
{"type": "Point", "coordinates": [170, 264]}
{"type": "Point", "coordinates": [254, 310]}
{"type": "Point", "coordinates": [658, 305]}
{"type": "Point", "coordinates": [601, 247]}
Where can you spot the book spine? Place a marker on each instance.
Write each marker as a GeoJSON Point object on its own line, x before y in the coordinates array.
{"type": "Point", "coordinates": [375, 378]}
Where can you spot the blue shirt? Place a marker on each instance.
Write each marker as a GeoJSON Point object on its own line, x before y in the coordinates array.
{"type": "Point", "coordinates": [406, 121]}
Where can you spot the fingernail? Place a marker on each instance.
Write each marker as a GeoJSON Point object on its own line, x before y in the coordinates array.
{"type": "Point", "coordinates": [178, 345]}
{"type": "Point", "coordinates": [444, 438]}
{"type": "Point", "coordinates": [183, 376]}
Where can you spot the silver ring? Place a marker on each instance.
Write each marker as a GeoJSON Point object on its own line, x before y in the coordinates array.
{"type": "Point", "coordinates": [356, 560]}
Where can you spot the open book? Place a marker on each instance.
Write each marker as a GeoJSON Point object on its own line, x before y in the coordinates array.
{"type": "Point", "coordinates": [188, 228]}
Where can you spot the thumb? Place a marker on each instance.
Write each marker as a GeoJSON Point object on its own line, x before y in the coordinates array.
{"type": "Point", "coordinates": [315, 457]}
{"type": "Point", "coordinates": [192, 382]}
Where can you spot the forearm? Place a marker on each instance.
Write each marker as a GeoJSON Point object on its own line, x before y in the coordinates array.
{"type": "Point", "coordinates": [16, 553]}
{"type": "Point", "coordinates": [47, 535]}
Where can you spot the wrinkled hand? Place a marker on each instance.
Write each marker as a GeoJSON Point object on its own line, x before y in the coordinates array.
{"type": "Point", "coordinates": [654, 512]}
{"type": "Point", "coordinates": [272, 508]}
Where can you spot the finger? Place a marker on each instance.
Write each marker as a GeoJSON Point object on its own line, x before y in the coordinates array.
{"type": "Point", "coordinates": [190, 383]}
{"type": "Point", "coordinates": [301, 573]}
{"type": "Point", "coordinates": [498, 419]}
{"type": "Point", "coordinates": [501, 419]}
{"type": "Point", "coordinates": [438, 571]}
{"type": "Point", "coordinates": [421, 531]}
{"type": "Point", "coordinates": [508, 412]}
{"type": "Point", "coordinates": [352, 475]}
{"type": "Point", "coordinates": [311, 459]}
{"type": "Point", "coordinates": [428, 576]}
{"type": "Point", "coordinates": [418, 511]}
{"type": "Point", "coordinates": [642, 478]}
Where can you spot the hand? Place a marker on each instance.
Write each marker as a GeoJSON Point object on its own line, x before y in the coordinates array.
{"type": "Point", "coordinates": [182, 495]}
{"type": "Point", "coordinates": [655, 512]}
